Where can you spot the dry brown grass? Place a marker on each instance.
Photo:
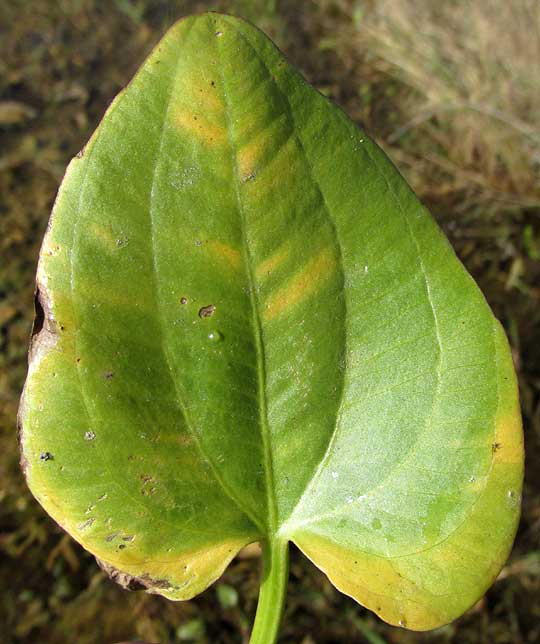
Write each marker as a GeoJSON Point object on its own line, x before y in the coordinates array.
{"type": "Point", "coordinates": [472, 71]}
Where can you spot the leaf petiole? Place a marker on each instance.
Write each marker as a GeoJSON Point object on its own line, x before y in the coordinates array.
{"type": "Point", "coordinates": [272, 593]}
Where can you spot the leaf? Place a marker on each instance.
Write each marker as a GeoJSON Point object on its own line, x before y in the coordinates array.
{"type": "Point", "coordinates": [248, 329]}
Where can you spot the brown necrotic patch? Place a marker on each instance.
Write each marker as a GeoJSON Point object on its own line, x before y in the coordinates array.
{"type": "Point", "coordinates": [131, 582]}
{"type": "Point", "coordinates": [45, 328]}
{"type": "Point", "coordinates": [207, 311]}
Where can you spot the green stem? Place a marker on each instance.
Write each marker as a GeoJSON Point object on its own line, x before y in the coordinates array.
{"type": "Point", "coordinates": [273, 591]}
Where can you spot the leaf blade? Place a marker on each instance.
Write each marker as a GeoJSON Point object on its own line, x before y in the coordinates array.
{"type": "Point", "coordinates": [255, 290]}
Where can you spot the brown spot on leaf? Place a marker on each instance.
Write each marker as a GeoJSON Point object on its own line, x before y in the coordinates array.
{"type": "Point", "coordinates": [207, 311]}
{"type": "Point", "coordinates": [87, 523]}
{"type": "Point", "coordinates": [146, 478]}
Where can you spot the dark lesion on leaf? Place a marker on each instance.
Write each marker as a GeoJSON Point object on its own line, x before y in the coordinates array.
{"type": "Point", "coordinates": [207, 311]}
{"type": "Point", "coordinates": [45, 329]}
{"type": "Point", "coordinates": [43, 337]}
{"type": "Point", "coordinates": [131, 582]}
{"type": "Point", "coordinates": [39, 318]}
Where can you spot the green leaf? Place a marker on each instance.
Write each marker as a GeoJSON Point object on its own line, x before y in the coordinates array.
{"type": "Point", "coordinates": [250, 330]}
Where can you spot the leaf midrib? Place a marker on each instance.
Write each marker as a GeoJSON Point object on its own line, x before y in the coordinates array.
{"type": "Point", "coordinates": [320, 465]}
{"type": "Point", "coordinates": [255, 317]}
{"type": "Point", "coordinates": [312, 481]}
{"type": "Point", "coordinates": [178, 394]}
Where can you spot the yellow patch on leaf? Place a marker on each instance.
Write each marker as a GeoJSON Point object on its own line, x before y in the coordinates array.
{"type": "Point", "coordinates": [507, 446]}
{"type": "Point", "coordinates": [374, 582]}
{"type": "Point", "coordinates": [103, 234]}
{"type": "Point", "coordinates": [301, 285]}
{"type": "Point", "coordinates": [199, 127]}
{"type": "Point", "coordinates": [225, 252]}
{"type": "Point", "coordinates": [207, 99]}
{"type": "Point", "coordinates": [271, 263]}
{"type": "Point", "coordinates": [248, 158]}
